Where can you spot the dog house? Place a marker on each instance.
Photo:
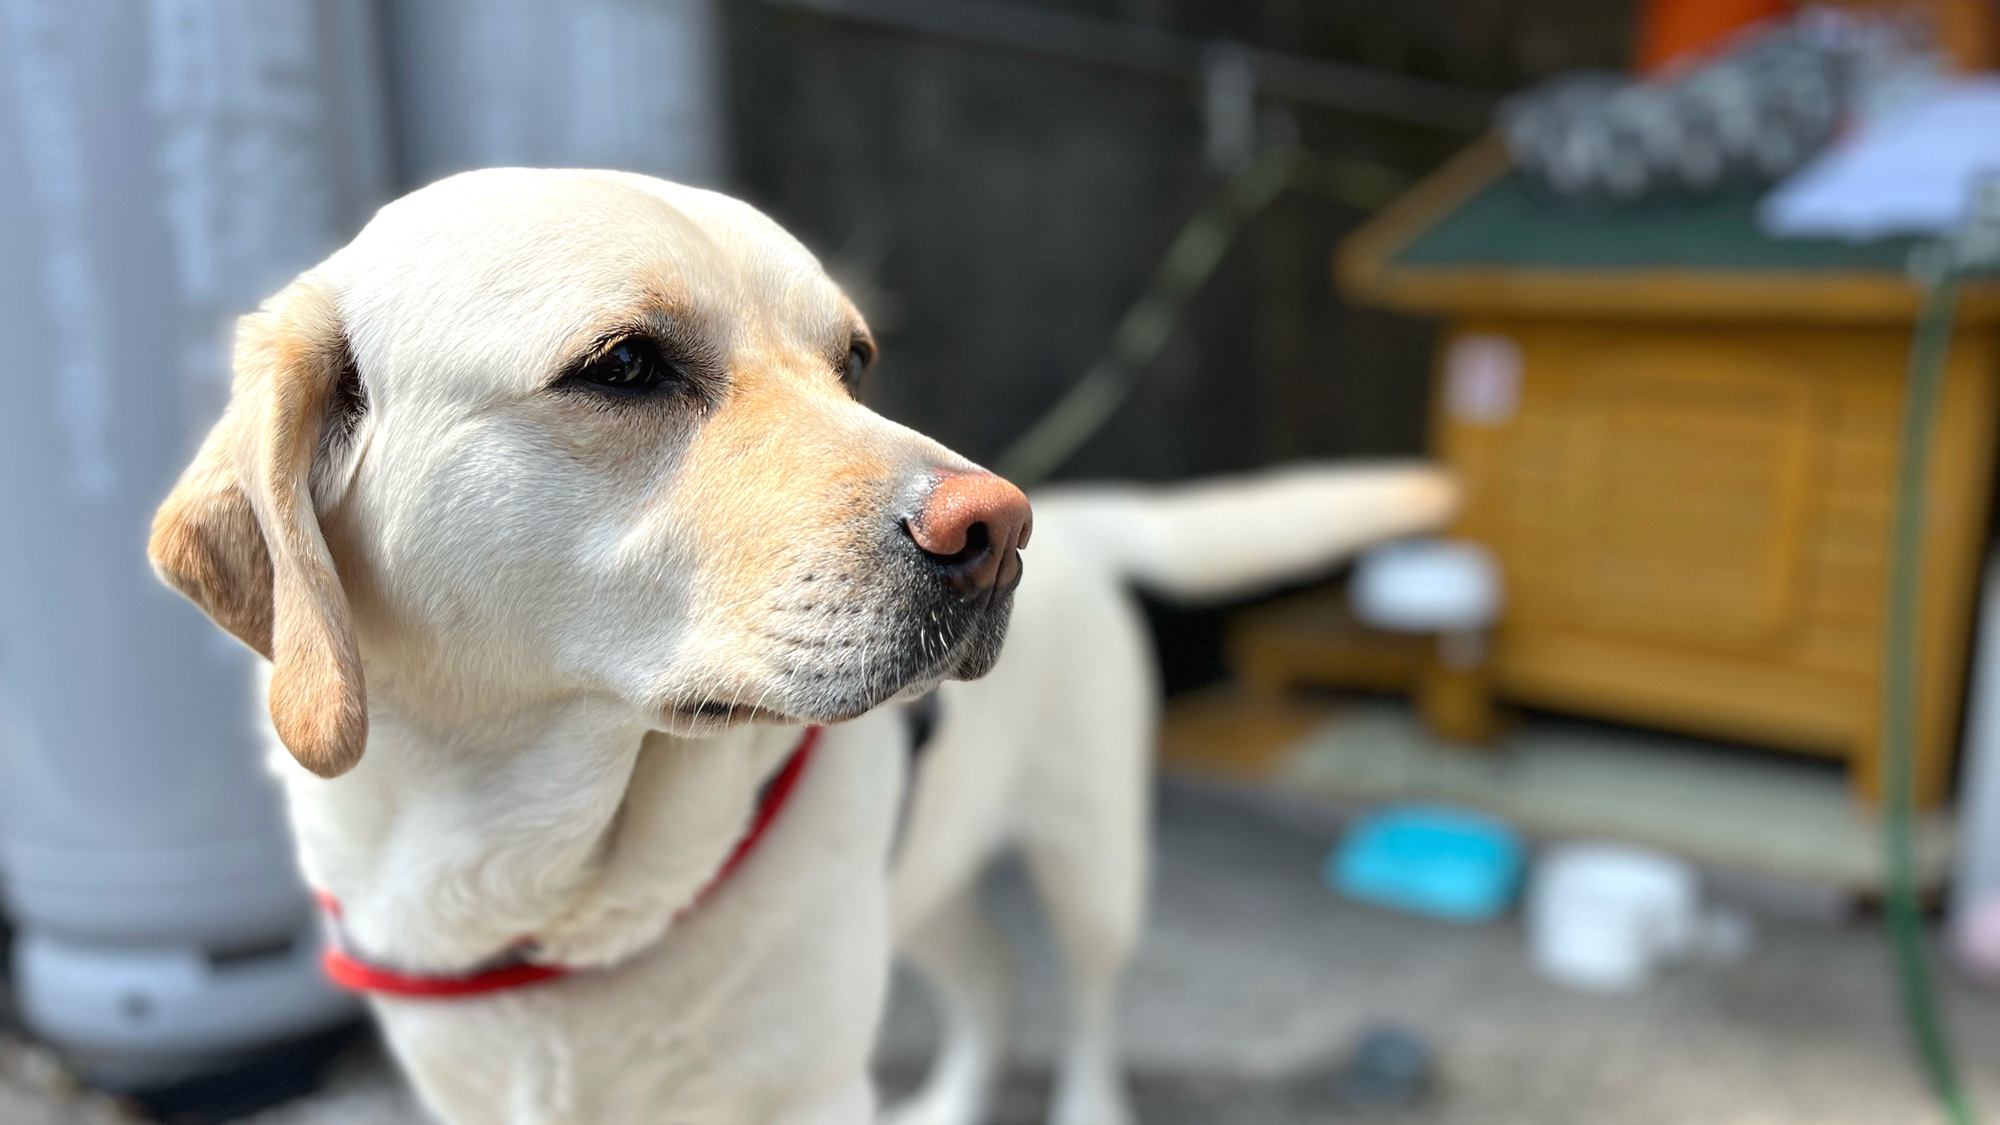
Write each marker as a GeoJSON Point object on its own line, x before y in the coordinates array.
{"type": "Point", "coordinates": [1679, 439]}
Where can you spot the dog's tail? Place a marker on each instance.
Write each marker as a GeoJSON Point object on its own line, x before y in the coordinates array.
{"type": "Point", "coordinates": [1233, 536]}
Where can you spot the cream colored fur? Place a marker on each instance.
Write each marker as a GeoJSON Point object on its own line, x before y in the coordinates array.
{"type": "Point", "coordinates": [535, 654]}
{"type": "Point", "coordinates": [1051, 752]}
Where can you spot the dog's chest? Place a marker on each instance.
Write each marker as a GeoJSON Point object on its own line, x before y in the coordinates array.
{"type": "Point", "coordinates": [766, 995]}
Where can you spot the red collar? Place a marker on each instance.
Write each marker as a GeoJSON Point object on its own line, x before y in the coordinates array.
{"type": "Point", "coordinates": [513, 969]}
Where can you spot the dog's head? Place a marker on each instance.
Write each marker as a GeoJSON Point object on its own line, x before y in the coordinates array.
{"type": "Point", "coordinates": [537, 435]}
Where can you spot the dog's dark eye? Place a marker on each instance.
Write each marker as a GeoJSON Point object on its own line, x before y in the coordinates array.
{"type": "Point", "coordinates": [857, 362]}
{"type": "Point", "coordinates": [629, 367]}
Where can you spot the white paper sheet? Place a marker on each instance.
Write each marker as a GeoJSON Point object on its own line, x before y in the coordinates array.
{"type": "Point", "coordinates": [1912, 173]}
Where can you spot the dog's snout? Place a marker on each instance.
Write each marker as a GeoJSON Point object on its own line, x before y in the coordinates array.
{"type": "Point", "coordinates": [972, 526]}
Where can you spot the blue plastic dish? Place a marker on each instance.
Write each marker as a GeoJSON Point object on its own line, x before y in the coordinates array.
{"type": "Point", "coordinates": [1432, 860]}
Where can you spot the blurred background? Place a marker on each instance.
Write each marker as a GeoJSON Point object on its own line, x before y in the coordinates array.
{"type": "Point", "coordinates": [1664, 786]}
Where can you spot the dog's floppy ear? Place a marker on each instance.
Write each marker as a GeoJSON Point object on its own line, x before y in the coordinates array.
{"type": "Point", "coordinates": [239, 535]}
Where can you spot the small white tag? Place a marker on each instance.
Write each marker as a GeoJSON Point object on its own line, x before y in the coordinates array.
{"type": "Point", "coordinates": [1482, 383]}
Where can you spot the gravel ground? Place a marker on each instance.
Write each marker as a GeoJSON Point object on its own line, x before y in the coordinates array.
{"type": "Point", "coordinates": [1254, 980]}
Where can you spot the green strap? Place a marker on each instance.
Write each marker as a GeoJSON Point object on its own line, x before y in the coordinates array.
{"type": "Point", "coordinates": [1902, 909]}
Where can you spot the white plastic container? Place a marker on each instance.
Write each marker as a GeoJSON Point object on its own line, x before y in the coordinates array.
{"type": "Point", "coordinates": [1608, 917]}
{"type": "Point", "coordinates": [1449, 586]}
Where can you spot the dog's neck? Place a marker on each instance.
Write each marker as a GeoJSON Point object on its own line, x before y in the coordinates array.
{"type": "Point", "coordinates": [573, 824]}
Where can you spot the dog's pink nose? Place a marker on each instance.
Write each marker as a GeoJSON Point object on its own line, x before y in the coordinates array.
{"type": "Point", "coordinates": [973, 526]}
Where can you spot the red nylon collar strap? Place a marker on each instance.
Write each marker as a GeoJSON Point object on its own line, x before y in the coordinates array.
{"type": "Point", "coordinates": [514, 970]}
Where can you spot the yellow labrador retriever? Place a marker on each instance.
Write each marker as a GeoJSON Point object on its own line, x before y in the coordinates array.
{"type": "Point", "coordinates": [551, 505]}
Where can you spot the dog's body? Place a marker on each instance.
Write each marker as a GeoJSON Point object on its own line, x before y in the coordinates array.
{"type": "Point", "coordinates": [550, 492]}
{"type": "Point", "coordinates": [1051, 752]}
{"type": "Point", "coordinates": [761, 1005]}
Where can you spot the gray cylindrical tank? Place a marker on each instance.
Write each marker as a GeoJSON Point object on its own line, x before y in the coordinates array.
{"type": "Point", "coordinates": [559, 83]}
{"type": "Point", "coordinates": [162, 167]}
